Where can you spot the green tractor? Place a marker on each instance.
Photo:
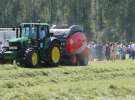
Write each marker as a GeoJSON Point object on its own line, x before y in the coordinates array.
{"type": "Point", "coordinates": [32, 46]}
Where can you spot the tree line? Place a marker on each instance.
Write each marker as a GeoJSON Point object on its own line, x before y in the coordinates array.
{"type": "Point", "coordinates": [102, 20]}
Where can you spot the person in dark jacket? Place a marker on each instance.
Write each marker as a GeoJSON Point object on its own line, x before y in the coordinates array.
{"type": "Point", "coordinates": [107, 52]}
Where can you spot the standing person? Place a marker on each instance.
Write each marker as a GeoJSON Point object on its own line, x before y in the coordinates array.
{"type": "Point", "coordinates": [107, 52]}
{"type": "Point", "coordinates": [124, 52]}
{"type": "Point", "coordinates": [99, 51]}
{"type": "Point", "coordinates": [133, 50]}
{"type": "Point", "coordinates": [104, 51]}
{"type": "Point", "coordinates": [118, 51]}
{"type": "Point", "coordinates": [93, 50]}
{"type": "Point", "coordinates": [113, 52]}
{"type": "Point", "coordinates": [90, 53]}
{"type": "Point", "coordinates": [42, 35]}
{"type": "Point", "coordinates": [130, 51]}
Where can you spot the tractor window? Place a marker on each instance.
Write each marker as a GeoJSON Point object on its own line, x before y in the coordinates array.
{"type": "Point", "coordinates": [42, 32]}
{"type": "Point", "coordinates": [33, 33]}
{"type": "Point", "coordinates": [29, 32]}
{"type": "Point", "coordinates": [25, 31]}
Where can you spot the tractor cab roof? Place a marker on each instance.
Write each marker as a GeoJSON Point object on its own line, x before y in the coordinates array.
{"type": "Point", "coordinates": [38, 24]}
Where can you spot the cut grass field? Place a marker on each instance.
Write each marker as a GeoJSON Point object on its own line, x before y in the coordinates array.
{"type": "Point", "coordinates": [98, 81]}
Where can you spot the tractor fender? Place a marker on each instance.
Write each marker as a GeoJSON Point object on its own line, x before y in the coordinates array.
{"type": "Point", "coordinates": [54, 40]}
{"type": "Point", "coordinates": [28, 49]}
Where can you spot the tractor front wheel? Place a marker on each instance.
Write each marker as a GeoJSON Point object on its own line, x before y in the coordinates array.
{"type": "Point", "coordinates": [31, 58]}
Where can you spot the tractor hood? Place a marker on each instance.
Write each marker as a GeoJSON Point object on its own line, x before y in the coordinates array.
{"type": "Point", "coordinates": [17, 43]}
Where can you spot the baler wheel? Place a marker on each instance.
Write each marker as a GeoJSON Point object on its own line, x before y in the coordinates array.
{"type": "Point", "coordinates": [83, 60]}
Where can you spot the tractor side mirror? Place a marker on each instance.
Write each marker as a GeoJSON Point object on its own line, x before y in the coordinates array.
{"type": "Point", "coordinates": [17, 33]}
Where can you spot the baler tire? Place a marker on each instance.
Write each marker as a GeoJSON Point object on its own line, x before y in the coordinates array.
{"type": "Point", "coordinates": [72, 62]}
{"type": "Point", "coordinates": [83, 60]}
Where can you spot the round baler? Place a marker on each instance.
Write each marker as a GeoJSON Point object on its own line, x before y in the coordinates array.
{"type": "Point", "coordinates": [74, 44]}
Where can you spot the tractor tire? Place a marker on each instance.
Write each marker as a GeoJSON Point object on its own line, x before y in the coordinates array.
{"type": "Point", "coordinates": [31, 58]}
{"type": "Point", "coordinates": [54, 55]}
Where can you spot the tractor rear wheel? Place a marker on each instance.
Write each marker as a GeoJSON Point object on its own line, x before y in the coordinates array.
{"type": "Point", "coordinates": [31, 58]}
{"type": "Point", "coordinates": [54, 55]}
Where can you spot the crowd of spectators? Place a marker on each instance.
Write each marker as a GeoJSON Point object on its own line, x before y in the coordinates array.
{"type": "Point", "coordinates": [111, 51]}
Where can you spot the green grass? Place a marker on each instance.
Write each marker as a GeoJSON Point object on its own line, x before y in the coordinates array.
{"type": "Point", "coordinates": [98, 81]}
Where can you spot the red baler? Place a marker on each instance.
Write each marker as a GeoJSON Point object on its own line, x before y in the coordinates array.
{"type": "Point", "coordinates": [74, 44]}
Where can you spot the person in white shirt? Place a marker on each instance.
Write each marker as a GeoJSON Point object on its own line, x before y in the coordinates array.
{"type": "Point", "coordinates": [133, 50]}
{"type": "Point", "coordinates": [42, 36]}
{"type": "Point", "coordinates": [130, 51]}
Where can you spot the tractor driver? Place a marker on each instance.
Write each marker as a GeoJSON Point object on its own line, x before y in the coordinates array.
{"type": "Point", "coordinates": [42, 35]}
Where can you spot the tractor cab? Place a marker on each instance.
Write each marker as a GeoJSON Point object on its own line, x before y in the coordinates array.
{"type": "Point", "coordinates": [35, 32]}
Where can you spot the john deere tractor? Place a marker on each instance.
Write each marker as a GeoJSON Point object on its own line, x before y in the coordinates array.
{"type": "Point", "coordinates": [33, 45]}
